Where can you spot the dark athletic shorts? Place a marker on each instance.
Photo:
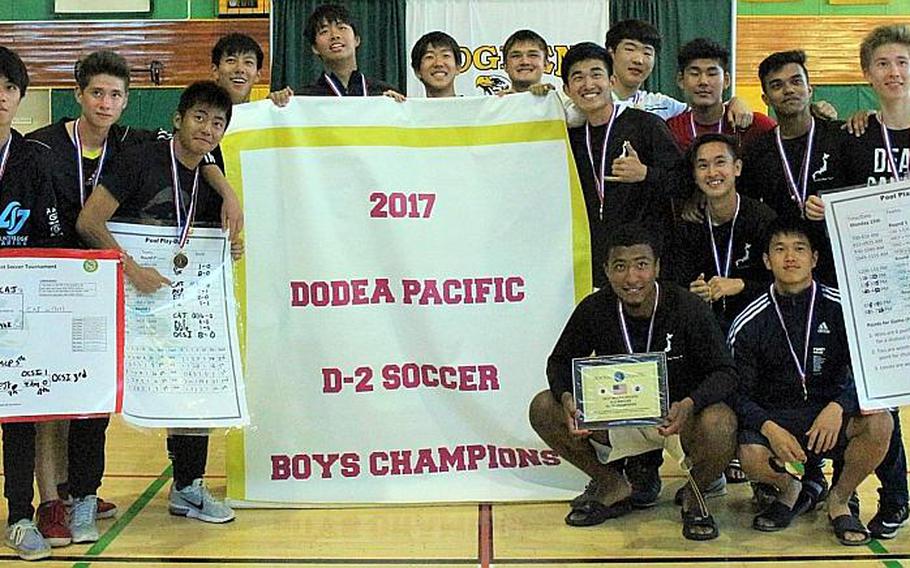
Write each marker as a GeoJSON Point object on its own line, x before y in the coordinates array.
{"type": "Point", "coordinates": [797, 421]}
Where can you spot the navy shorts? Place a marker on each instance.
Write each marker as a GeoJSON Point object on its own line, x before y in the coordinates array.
{"type": "Point", "coordinates": [797, 421]}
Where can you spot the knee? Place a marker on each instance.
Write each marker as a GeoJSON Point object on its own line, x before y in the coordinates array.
{"type": "Point", "coordinates": [540, 412]}
{"type": "Point", "coordinates": [754, 459]}
{"type": "Point", "coordinates": [878, 427]}
{"type": "Point", "coordinates": [718, 422]}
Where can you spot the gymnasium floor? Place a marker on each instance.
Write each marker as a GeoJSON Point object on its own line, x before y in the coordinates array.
{"type": "Point", "coordinates": [528, 535]}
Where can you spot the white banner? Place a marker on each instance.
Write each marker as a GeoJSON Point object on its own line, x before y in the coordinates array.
{"type": "Point", "coordinates": [61, 327]}
{"type": "Point", "coordinates": [409, 267]}
{"type": "Point", "coordinates": [481, 27]}
{"type": "Point", "coordinates": [182, 351]}
{"type": "Point", "coordinates": [870, 239]}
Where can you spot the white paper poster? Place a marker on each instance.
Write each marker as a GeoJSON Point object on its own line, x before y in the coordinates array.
{"type": "Point", "coordinates": [870, 239]}
{"type": "Point", "coordinates": [182, 357]}
{"type": "Point", "coordinates": [61, 328]}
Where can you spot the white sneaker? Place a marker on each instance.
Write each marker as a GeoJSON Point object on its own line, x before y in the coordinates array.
{"type": "Point", "coordinates": [195, 501]}
{"type": "Point", "coordinates": [82, 519]}
{"type": "Point", "coordinates": [24, 538]}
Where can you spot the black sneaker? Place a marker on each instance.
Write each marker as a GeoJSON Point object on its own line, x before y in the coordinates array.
{"type": "Point", "coordinates": [888, 520]}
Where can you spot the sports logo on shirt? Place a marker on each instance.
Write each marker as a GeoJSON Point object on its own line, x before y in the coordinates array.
{"type": "Point", "coordinates": [13, 218]}
{"type": "Point", "coordinates": [747, 253]}
{"type": "Point", "coordinates": [817, 174]}
{"type": "Point", "coordinates": [669, 344]}
{"type": "Point", "coordinates": [823, 328]}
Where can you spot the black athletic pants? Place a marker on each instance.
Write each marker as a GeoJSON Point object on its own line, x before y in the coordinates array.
{"type": "Point", "coordinates": [19, 469]}
{"type": "Point", "coordinates": [189, 455]}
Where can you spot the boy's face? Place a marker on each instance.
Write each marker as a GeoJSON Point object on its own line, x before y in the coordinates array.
{"type": "Point", "coordinates": [589, 85]}
{"type": "Point", "coordinates": [438, 68]}
{"type": "Point", "coordinates": [10, 96]}
{"type": "Point", "coordinates": [889, 71]}
{"type": "Point", "coordinates": [791, 259]}
{"type": "Point", "coordinates": [237, 74]}
{"type": "Point", "coordinates": [525, 62]}
{"type": "Point", "coordinates": [201, 128]}
{"type": "Point", "coordinates": [716, 169]}
{"type": "Point", "coordinates": [703, 81]}
{"type": "Point", "coordinates": [335, 41]}
{"type": "Point", "coordinates": [787, 90]}
{"type": "Point", "coordinates": [633, 62]}
{"type": "Point", "coordinates": [102, 100]}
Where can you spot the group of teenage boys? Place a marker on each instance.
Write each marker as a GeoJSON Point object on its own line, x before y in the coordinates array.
{"type": "Point", "coordinates": [732, 195]}
{"type": "Point", "coordinates": [746, 238]}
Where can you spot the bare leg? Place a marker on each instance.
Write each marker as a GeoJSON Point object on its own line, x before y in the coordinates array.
{"type": "Point", "coordinates": [868, 443]}
{"type": "Point", "coordinates": [50, 457]}
{"type": "Point", "coordinates": [548, 420]}
{"type": "Point", "coordinates": [756, 463]}
{"type": "Point", "coordinates": [709, 439]}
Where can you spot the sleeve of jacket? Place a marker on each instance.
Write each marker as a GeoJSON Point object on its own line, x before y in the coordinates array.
{"type": "Point", "coordinates": [576, 340]}
{"type": "Point", "coordinates": [742, 342]}
{"type": "Point", "coordinates": [705, 339]}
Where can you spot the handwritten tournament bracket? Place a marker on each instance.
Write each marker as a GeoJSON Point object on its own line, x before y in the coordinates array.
{"type": "Point", "coordinates": [409, 268]}
{"type": "Point", "coordinates": [870, 237]}
{"type": "Point", "coordinates": [61, 333]}
{"type": "Point", "coordinates": [182, 355]}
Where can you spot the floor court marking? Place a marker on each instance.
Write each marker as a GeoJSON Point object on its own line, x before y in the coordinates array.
{"type": "Point", "coordinates": [108, 537]}
{"type": "Point", "coordinates": [485, 534]}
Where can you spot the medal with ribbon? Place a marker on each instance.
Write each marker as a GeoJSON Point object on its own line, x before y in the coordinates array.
{"type": "Point", "coordinates": [184, 218]}
{"type": "Point", "coordinates": [719, 129]}
{"type": "Point", "coordinates": [889, 151]}
{"type": "Point", "coordinates": [337, 89]}
{"type": "Point", "coordinates": [797, 192]}
{"type": "Point", "coordinates": [77, 141]}
{"type": "Point", "coordinates": [599, 179]}
{"type": "Point", "coordinates": [626, 338]}
{"type": "Point", "coordinates": [728, 263]}
{"type": "Point", "coordinates": [800, 363]}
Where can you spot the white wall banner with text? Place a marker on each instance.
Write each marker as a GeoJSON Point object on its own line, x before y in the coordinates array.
{"type": "Point", "coordinates": [481, 27]}
{"type": "Point", "coordinates": [61, 333]}
{"type": "Point", "coordinates": [408, 269]}
{"type": "Point", "coordinates": [182, 350]}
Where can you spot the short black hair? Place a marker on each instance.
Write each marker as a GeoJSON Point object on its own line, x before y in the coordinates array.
{"type": "Point", "coordinates": [12, 67]}
{"type": "Point", "coordinates": [437, 39]}
{"type": "Point", "coordinates": [206, 93]}
{"type": "Point", "coordinates": [791, 225]}
{"type": "Point", "coordinates": [777, 60]}
{"type": "Point", "coordinates": [101, 63]}
{"type": "Point", "coordinates": [637, 30]}
{"type": "Point", "coordinates": [702, 48]}
{"type": "Point", "coordinates": [707, 138]}
{"type": "Point", "coordinates": [582, 52]}
{"type": "Point", "coordinates": [236, 44]}
{"type": "Point", "coordinates": [629, 235]}
{"type": "Point", "coordinates": [327, 14]}
{"type": "Point", "coordinates": [524, 35]}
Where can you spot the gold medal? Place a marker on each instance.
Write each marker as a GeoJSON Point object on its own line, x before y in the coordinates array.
{"type": "Point", "coordinates": [180, 261]}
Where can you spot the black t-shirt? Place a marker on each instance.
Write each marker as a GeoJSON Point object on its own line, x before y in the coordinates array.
{"type": "Point", "coordinates": [140, 180]}
{"type": "Point", "coordinates": [869, 164]}
{"type": "Point", "coordinates": [28, 206]}
{"type": "Point", "coordinates": [321, 87]}
{"type": "Point", "coordinates": [62, 151]}
{"type": "Point", "coordinates": [646, 202]}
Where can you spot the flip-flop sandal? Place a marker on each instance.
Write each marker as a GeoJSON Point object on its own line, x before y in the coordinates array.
{"type": "Point", "coordinates": [693, 520]}
{"type": "Point", "coordinates": [592, 513]}
{"type": "Point", "coordinates": [734, 472]}
{"type": "Point", "coordinates": [778, 516]}
{"type": "Point", "coordinates": [844, 524]}
{"type": "Point", "coordinates": [717, 488]}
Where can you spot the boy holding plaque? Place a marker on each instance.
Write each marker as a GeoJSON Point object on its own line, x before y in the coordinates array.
{"type": "Point", "coordinates": [636, 314]}
{"type": "Point", "coordinates": [29, 219]}
{"type": "Point", "coordinates": [796, 399]}
{"type": "Point", "coordinates": [159, 183]}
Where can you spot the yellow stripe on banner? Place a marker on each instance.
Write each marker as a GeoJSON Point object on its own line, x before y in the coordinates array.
{"type": "Point", "coordinates": [329, 136]}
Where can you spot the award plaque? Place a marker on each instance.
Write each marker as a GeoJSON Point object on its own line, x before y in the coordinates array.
{"type": "Point", "coordinates": [621, 390]}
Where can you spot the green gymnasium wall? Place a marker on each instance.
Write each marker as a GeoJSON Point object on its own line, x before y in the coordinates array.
{"type": "Point", "coordinates": [820, 8]}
